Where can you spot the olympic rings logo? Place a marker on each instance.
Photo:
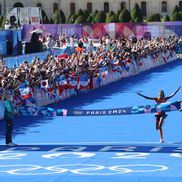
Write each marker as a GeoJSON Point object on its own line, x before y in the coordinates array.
{"type": "Point", "coordinates": [80, 169]}
{"type": "Point", "coordinates": [78, 112]}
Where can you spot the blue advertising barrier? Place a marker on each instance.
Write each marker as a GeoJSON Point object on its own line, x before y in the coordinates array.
{"type": "Point", "coordinates": [179, 49]}
{"type": "Point", "coordinates": [8, 37]}
{"type": "Point", "coordinates": [3, 47]}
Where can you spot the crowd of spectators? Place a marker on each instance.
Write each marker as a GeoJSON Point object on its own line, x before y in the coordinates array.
{"type": "Point", "coordinates": [88, 60]}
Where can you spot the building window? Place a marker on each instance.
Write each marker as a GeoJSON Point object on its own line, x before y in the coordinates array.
{"type": "Point", "coordinates": [164, 6]}
{"type": "Point", "coordinates": [144, 8]}
{"type": "Point", "coordinates": [18, 5]}
{"type": "Point", "coordinates": [106, 7]}
{"type": "Point", "coordinates": [89, 7]}
{"type": "Point", "coordinates": [123, 5]}
{"type": "Point", "coordinates": [55, 7]}
{"type": "Point", "coordinates": [39, 5]}
{"type": "Point", "coordinates": [72, 8]}
{"type": "Point", "coordinates": [180, 5]}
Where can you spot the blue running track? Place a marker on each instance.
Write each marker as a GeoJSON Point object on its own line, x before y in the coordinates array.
{"type": "Point", "coordinates": [102, 148]}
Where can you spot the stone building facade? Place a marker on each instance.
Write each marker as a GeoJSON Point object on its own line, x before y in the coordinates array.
{"type": "Point", "coordinates": [148, 7]}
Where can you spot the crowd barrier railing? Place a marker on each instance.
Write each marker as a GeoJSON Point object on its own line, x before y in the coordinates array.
{"type": "Point", "coordinates": [136, 66]}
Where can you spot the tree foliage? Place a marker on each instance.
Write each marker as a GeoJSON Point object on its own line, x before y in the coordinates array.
{"type": "Point", "coordinates": [73, 18]}
{"type": "Point", "coordinates": [1, 21]}
{"type": "Point", "coordinates": [68, 17]}
{"type": "Point", "coordinates": [86, 13]}
{"type": "Point", "coordinates": [100, 17]}
{"type": "Point", "coordinates": [154, 18]}
{"type": "Point", "coordinates": [45, 20]}
{"type": "Point", "coordinates": [56, 17]}
{"type": "Point", "coordinates": [80, 12]}
{"type": "Point", "coordinates": [136, 14]}
{"type": "Point", "coordinates": [125, 16]}
{"type": "Point", "coordinates": [111, 13]}
{"type": "Point", "coordinates": [176, 9]}
{"type": "Point", "coordinates": [166, 18]}
{"type": "Point", "coordinates": [94, 14]}
{"type": "Point", "coordinates": [118, 13]}
{"type": "Point", "coordinates": [51, 21]}
{"type": "Point", "coordinates": [176, 16]}
{"type": "Point", "coordinates": [62, 17]}
{"type": "Point", "coordinates": [112, 19]}
{"type": "Point", "coordinates": [90, 19]}
{"type": "Point", "coordinates": [80, 19]}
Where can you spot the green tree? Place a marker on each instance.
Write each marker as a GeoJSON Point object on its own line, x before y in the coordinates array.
{"type": "Point", "coordinates": [136, 14]}
{"type": "Point", "coordinates": [56, 17]}
{"type": "Point", "coordinates": [51, 21]}
{"type": "Point", "coordinates": [118, 13]}
{"type": "Point", "coordinates": [111, 13]}
{"type": "Point", "coordinates": [80, 12]}
{"type": "Point", "coordinates": [176, 9]}
{"type": "Point", "coordinates": [73, 18]}
{"type": "Point", "coordinates": [90, 19]}
{"type": "Point", "coordinates": [100, 17]}
{"type": "Point", "coordinates": [68, 17]}
{"type": "Point", "coordinates": [154, 18]}
{"type": "Point", "coordinates": [45, 20]}
{"type": "Point", "coordinates": [62, 17]}
{"type": "Point", "coordinates": [94, 14]}
{"type": "Point", "coordinates": [166, 18]}
{"type": "Point", "coordinates": [86, 13]}
{"type": "Point", "coordinates": [112, 19]}
{"type": "Point", "coordinates": [93, 21]}
{"type": "Point", "coordinates": [1, 20]}
{"type": "Point", "coordinates": [125, 16]}
{"type": "Point", "coordinates": [176, 16]}
{"type": "Point", "coordinates": [180, 14]}
{"type": "Point", "coordinates": [80, 19]}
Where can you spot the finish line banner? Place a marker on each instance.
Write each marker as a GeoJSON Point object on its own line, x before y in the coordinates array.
{"type": "Point", "coordinates": [48, 111]}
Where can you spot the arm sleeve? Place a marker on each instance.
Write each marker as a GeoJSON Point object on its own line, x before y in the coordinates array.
{"type": "Point", "coordinates": [7, 106]}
